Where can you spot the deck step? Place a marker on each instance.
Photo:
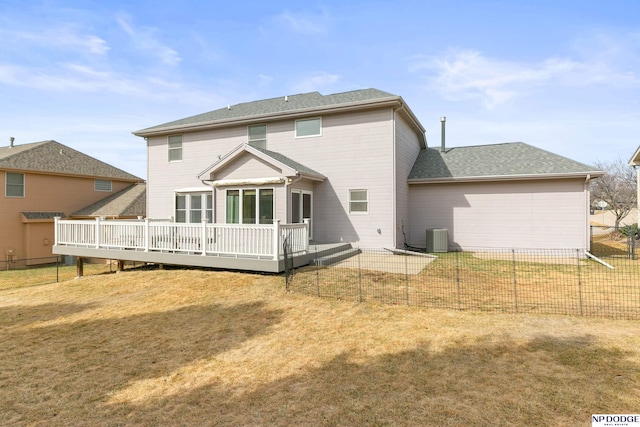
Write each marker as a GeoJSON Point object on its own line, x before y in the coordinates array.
{"type": "Point", "coordinates": [328, 257]}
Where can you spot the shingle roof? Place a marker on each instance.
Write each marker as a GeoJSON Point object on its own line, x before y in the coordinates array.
{"type": "Point", "coordinates": [129, 202]}
{"type": "Point", "coordinates": [289, 104]}
{"type": "Point", "coordinates": [42, 215]}
{"type": "Point", "coordinates": [289, 162]}
{"type": "Point", "coordinates": [53, 157]}
{"type": "Point", "coordinates": [497, 160]}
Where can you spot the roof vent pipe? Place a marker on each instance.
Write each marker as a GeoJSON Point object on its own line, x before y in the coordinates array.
{"type": "Point", "coordinates": [11, 141]}
{"type": "Point", "coordinates": [443, 120]}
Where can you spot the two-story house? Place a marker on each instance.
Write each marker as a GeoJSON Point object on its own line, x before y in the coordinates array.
{"type": "Point", "coordinates": [43, 180]}
{"type": "Point", "coordinates": [354, 167]}
{"type": "Point", "coordinates": [356, 164]}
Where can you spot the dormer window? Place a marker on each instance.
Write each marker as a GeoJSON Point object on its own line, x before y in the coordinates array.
{"type": "Point", "coordinates": [257, 135]}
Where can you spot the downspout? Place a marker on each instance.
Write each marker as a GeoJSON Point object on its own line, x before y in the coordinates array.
{"type": "Point", "coordinates": [394, 201]}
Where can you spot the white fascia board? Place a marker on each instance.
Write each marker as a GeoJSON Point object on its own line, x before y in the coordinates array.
{"type": "Point", "coordinates": [390, 101]}
{"type": "Point", "coordinates": [591, 174]}
{"type": "Point", "coordinates": [248, 181]}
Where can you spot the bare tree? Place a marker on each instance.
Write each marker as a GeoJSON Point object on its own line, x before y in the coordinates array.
{"type": "Point", "coordinates": [617, 187]}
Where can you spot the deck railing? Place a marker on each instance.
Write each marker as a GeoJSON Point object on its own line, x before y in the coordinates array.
{"type": "Point", "coordinates": [252, 240]}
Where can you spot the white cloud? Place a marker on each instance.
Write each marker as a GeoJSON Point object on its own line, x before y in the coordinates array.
{"type": "Point", "coordinates": [61, 37]}
{"type": "Point", "coordinates": [468, 75]}
{"type": "Point", "coordinates": [316, 81]}
{"type": "Point", "coordinates": [144, 38]}
{"type": "Point", "coordinates": [305, 23]}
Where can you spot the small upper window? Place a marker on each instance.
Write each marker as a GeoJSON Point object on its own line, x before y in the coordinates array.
{"type": "Point", "coordinates": [358, 201]}
{"type": "Point", "coordinates": [102, 185]}
{"type": "Point", "coordinates": [308, 127]}
{"type": "Point", "coordinates": [258, 135]}
{"type": "Point", "coordinates": [175, 148]}
{"type": "Point", "coordinates": [14, 184]}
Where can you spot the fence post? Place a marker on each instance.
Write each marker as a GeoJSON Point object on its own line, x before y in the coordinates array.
{"type": "Point", "coordinates": [359, 279]}
{"type": "Point", "coordinates": [406, 279]}
{"type": "Point", "coordinates": [515, 282]}
{"type": "Point", "coordinates": [579, 280]}
{"type": "Point", "coordinates": [458, 280]}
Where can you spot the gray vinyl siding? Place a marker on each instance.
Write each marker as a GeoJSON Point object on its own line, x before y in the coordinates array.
{"type": "Point", "coordinates": [407, 149]}
{"type": "Point", "coordinates": [353, 152]}
{"type": "Point", "coordinates": [540, 214]}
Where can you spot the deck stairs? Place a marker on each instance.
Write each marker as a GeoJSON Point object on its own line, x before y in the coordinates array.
{"type": "Point", "coordinates": [328, 254]}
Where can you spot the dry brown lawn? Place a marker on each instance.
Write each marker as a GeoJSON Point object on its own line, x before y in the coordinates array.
{"type": "Point", "coordinates": [191, 347]}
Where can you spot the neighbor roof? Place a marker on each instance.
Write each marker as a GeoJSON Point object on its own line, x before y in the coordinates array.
{"type": "Point", "coordinates": [497, 161]}
{"type": "Point", "coordinates": [284, 105]}
{"type": "Point", "coordinates": [129, 202]}
{"type": "Point", "coordinates": [53, 157]}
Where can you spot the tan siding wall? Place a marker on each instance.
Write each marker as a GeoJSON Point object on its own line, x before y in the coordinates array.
{"type": "Point", "coordinates": [43, 193]}
{"type": "Point", "coordinates": [543, 214]}
{"type": "Point", "coordinates": [407, 150]}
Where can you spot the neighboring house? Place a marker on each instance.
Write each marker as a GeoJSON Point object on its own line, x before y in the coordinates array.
{"type": "Point", "coordinates": [356, 164]}
{"type": "Point", "coordinates": [128, 203]}
{"type": "Point", "coordinates": [44, 180]}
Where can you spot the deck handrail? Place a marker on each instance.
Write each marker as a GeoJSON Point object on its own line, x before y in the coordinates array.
{"type": "Point", "coordinates": [206, 239]}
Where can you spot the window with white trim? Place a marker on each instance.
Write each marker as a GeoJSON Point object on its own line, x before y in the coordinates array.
{"type": "Point", "coordinates": [194, 207]}
{"type": "Point", "coordinates": [102, 185]}
{"type": "Point", "coordinates": [250, 206]}
{"type": "Point", "coordinates": [14, 184]}
{"type": "Point", "coordinates": [175, 148]}
{"type": "Point", "coordinates": [257, 135]}
{"type": "Point", "coordinates": [358, 201]}
{"type": "Point", "coordinates": [306, 128]}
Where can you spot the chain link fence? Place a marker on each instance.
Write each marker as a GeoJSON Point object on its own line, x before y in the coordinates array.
{"type": "Point", "coordinates": [565, 282]}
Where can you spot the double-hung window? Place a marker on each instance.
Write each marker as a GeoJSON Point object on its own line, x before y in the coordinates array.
{"type": "Point", "coordinates": [250, 206]}
{"type": "Point", "coordinates": [14, 184]}
{"type": "Point", "coordinates": [306, 128]}
{"type": "Point", "coordinates": [194, 207]}
{"type": "Point", "coordinates": [175, 148]}
{"type": "Point", "coordinates": [257, 135]}
{"type": "Point", "coordinates": [358, 201]}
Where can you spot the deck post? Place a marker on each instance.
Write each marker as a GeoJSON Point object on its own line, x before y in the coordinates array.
{"type": "Point", "coordinates": [56, 219]}
{"type": "Point", "coordinates": [305, 241]}
{"type": "Point", "coordinates": [79, 267]}
{"type": "Point", "coordinates": [97, 232]}
{"type": "Point", "coordinates": [147, 237]}
{"type": "Point", "coordinates": [276, 238]}
{"type": "Point", "coordinates": [203, 238]}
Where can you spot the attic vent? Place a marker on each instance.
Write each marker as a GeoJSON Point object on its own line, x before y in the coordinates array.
{"type": "Point", "coordinates": [286, 98]}
{"type": "Point", "coordinates": [228, 107]}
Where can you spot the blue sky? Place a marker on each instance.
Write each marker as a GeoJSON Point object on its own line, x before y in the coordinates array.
{"type": "Point", "coordinates": [561, 75]}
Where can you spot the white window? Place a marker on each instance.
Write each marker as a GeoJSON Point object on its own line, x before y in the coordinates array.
{"type": "Point", "coordinates": [194, 207]}
{"type": "Point", "coordinates": [358, 201]}
{"type": "Point", "coordinates": [257, 135]}
{"type": "Point", "coordinates": [14, 184]}
{"type": "Point", "coordinates": [308, 127]}
{"type": "Point", "coordinates": [102, 185]}
{"type": "Point", "coordinates": [250, 206]}
{"type": "Point", "coordinates": [175, 148]}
